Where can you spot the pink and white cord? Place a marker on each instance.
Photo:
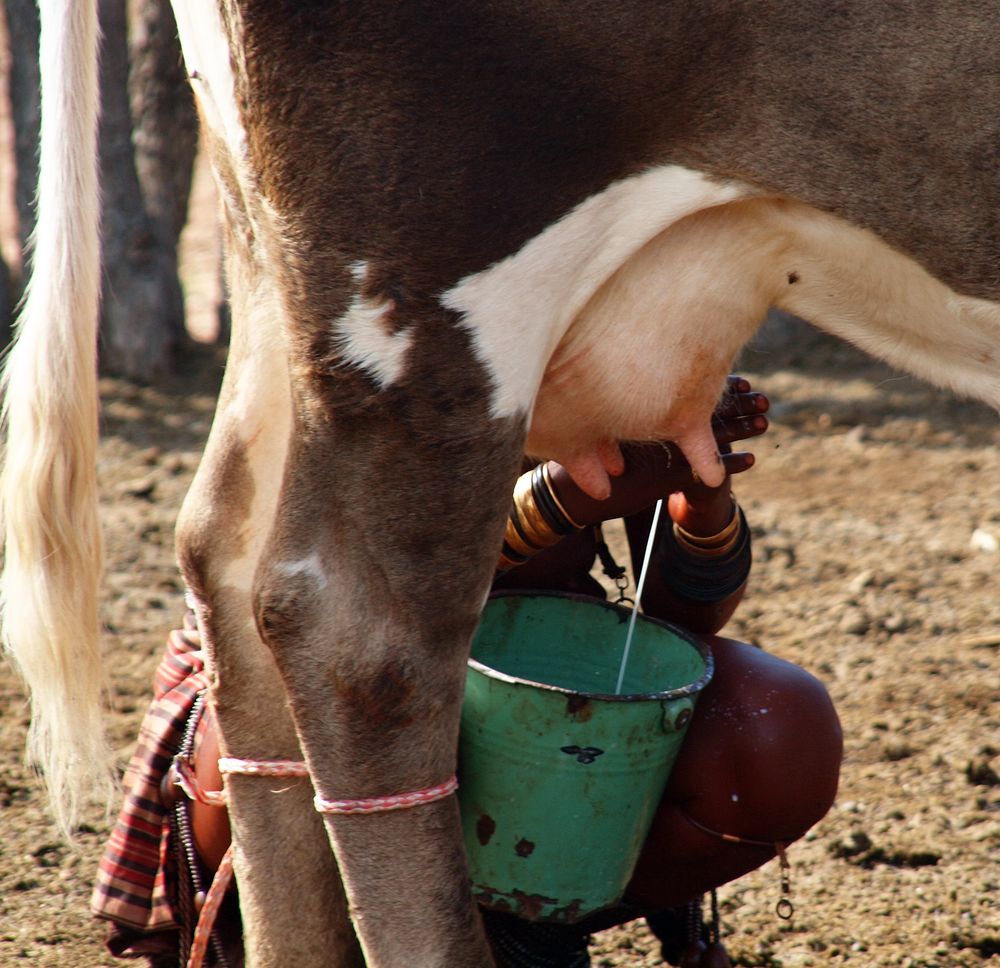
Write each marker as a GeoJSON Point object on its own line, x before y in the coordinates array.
{"type": "Point", "coordinates": [230, 765]}
{"type": "Point", "coordinates": [400, 801]}
{"type": "Point", "coordinates": [210, 910]}
{"type": "Point", "coordinates": [184, 776]}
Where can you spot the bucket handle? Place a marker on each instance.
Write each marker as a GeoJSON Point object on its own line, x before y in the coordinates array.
{"type": "Point", "coordinates": [676, 714]}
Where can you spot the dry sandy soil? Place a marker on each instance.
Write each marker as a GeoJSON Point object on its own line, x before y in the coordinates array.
{"type": "Point", "coordinates": [865, 502]}
{"type": "Point", "coordinates": [876, 514]}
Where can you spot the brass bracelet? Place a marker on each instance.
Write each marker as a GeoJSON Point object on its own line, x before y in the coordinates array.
{"type": "Point", "coordinates": [515, 540]}
{"type": "Point", "coordinates": [701, 552]}
{"type": "Point", "coordinates": [534, 526]}
{"type": "Point", "coordinates": [505, 563]}
{"type": "Point", "coordinates": [711, 541]}
{"type": "Point", "coordinates": [547, 481]}
{"type": "Point", "coordinates": [714, 546]}
{"type": "Point", "coordinates": [529, 528]}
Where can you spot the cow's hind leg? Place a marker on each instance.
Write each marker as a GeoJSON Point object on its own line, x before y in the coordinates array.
{"type": "Point", "coordinates": [290, 893]}
{"type": "Point", "coordinates": [385, 541]}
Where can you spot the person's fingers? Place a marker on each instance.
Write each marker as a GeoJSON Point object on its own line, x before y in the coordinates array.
{"type": "Point", "coordinates": [741, 405]}
{"type": "Point", "coordinates": [655, 469]}
{"type": "Point", "coordinates": [738, 461]}
{"type": "Point", "coordinates": [734, 462]}
{"type": "Point", "coordinates": [742, 428]}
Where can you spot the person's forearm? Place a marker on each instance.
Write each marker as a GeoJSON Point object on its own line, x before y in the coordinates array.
{"type": "Point", "coordinates": [659, 601]}
{"type": "Point", "coordinates": [698, 592]}
{"type": "Point", "coordinates": [563, 567]}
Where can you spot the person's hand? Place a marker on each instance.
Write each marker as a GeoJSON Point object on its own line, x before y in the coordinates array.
{"type": "Point", "coordinates": [654, 471]}
{"type": "Point", "coordinates": [705, 510]}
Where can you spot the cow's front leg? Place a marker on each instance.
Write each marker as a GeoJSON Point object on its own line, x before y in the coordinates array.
{"type": "Point", "coordinates": [386, 538]}
{"type": "Point", "coordinates": [293, 907]}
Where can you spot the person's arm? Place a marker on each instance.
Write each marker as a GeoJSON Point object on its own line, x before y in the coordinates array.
{"type": "Point", "coordinates": [564, 567]}
{"type": "Point", "coordinates": [699, 571]}
{"type": "Point", "coordinates": [684, 586]}
{"type": "Point", "coordinates": [702, 556]}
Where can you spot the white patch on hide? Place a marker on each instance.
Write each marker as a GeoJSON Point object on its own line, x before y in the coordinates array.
{"type": "Point", "coordinates": [519, 309]}
{"type": "Point", "coordinates": [308, 567]}
{"type": "Point", "coordinates": [364, 338]}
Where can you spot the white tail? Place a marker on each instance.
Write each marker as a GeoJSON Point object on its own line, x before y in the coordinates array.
{"type": "Point", "coordinates": [48, 490]}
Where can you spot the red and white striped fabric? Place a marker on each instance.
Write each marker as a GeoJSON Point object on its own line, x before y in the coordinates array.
{"type": "Point", "coordinates": [133, 887]}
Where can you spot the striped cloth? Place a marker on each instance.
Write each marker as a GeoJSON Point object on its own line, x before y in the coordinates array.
{"type": "Point", "coordinates": [133, 888]}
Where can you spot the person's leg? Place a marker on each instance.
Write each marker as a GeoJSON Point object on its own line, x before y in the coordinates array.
{"type": "Point", "coordinates": [209, 823]}
{"type": "Point", "coordinates": [760, 762]}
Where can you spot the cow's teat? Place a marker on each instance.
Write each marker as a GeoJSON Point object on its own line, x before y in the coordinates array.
{"type": "Point", "coordinates": [592, 470]}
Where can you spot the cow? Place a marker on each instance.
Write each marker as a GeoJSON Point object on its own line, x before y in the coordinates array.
{"type": "Point", "coordinates": [458, 232]}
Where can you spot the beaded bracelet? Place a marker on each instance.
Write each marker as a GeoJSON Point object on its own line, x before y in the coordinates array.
{"type": "Point", "coordinates": [708, 578]}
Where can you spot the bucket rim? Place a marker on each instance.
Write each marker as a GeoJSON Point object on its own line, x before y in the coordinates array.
{"type": "Point", "coordinates": [679, 692]}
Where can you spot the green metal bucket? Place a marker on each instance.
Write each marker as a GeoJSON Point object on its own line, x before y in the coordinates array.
{"type": "Point", "coordinates": [560, 778]}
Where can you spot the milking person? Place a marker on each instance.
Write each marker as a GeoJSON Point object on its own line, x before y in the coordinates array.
{"type": "Point", "coordinates": [759, 765]}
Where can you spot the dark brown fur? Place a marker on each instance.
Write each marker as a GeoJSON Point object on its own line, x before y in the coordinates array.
{"type": "Point", "coordinates": [430, 140]}
{"type": "Point", "coordinates": [443, 135]}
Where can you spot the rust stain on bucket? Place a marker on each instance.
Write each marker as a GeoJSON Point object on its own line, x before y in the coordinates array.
{"type": "Point", "coordinates": [524, 848]}
{"type": "Point", "coordinates": [485, 828]}
{"type": "Point", "coordinates": [531, 907]}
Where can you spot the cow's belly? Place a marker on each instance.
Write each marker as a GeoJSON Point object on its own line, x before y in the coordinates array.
{"type": "Point", "coordinates": [621, 321]}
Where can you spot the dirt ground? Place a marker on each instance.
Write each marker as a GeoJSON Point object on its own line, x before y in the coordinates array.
{"type": "Point", "coordinates": [876, 515]}
{"type": "Point", "coordinates": [875, 507]}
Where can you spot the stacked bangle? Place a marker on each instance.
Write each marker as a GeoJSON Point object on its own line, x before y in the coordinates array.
{"type": "Point", "coordinates": [711, 546]}
{"type": "Point", "coordinates": [537, 519]}
{"type": "Point", "coordinates": [706, 569]}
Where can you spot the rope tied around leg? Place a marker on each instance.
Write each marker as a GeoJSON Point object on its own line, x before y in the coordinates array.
{"type": "Point", "coordinates": [233, 766]}
{"type": "Point", "coordinates": [229, 766]}
{"type": "Point", "coordinates": [400, 801]}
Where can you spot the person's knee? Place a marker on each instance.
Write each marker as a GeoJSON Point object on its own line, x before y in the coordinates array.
{"type": "Point", "coordinates": [802, 747]}
{"type": "Point", "coordinates": [793, 745]}
{"type": "Point", "coordinates": [776, 745]}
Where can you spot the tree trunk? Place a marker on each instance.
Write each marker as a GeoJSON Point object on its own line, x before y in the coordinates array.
{"type": "Point", "coordinates": [146, 162]}
{"type": "Point", "coordinates": [22, 31]}
{"type": "Point", "coordinates": [165, 123]}
{"type": "Point", "coordinates": [22, 39]}
{"type": "Point", "coordinates": [143, 308]}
